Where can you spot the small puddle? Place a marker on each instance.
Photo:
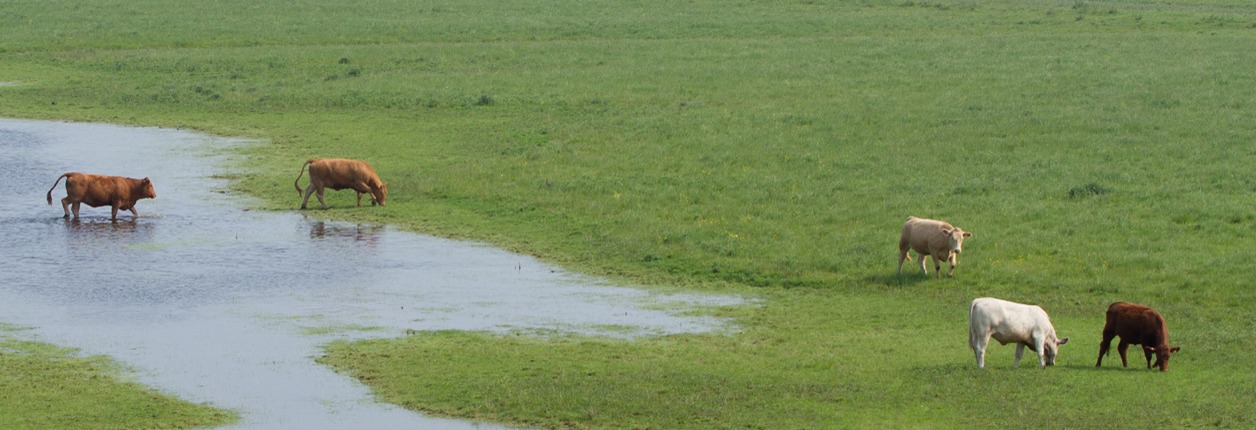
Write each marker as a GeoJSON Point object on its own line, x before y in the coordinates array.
{"type": "Point", "coordinates": [211, 302]}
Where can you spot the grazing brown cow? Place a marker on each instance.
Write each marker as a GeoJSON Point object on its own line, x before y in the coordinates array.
{"type": "Point", "coordinates": [100, 190]}
{"type": "Point", "coordinates": [1137, 325]}
{"type": "Point", "coordinates": [937, 239]}
{"type": "Point", "coordinates": [339, 174]}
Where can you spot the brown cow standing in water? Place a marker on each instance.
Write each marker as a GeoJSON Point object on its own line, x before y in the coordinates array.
{"type": "Point", "coordinates": [1137, 324]}
{"type": "Point", "coordinates": [101, 190]}
{"type": "Point", "coordinates": [339, 174]}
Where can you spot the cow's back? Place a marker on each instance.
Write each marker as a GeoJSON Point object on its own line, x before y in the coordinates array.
{"type": "Point", "coordinates": [339, 173]}
{"type": "Point", "coordinates": [1136, 324]}
{"type": "Point", "coordinates": [1007, 321]}
{"type": "Point", "coordinates": [92, 190]}
{"type": "Point", "coordinates": [987, 313]}
{"type": "Point", "coordinates": [918, 233]}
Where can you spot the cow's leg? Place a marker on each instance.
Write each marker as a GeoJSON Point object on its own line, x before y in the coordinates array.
{"type": "Point", "coordinates": [65, 206]}
{"type": "Point", "coordinates": [1104, 346]}
{"type": "Point", "coordinates": [902, 256]}
{"type": "Point", "coordinates": [75, 208]}
{"type": "Point", "coordinates": [1147, 353]}
{"type": "Point", "coordinates": [115, 211]}
{"type": "Point", "coordinates": [1121, 347]}
{"type": "Point", "coordinates": [134, 213]}
{"type": "Point", "coordinates": [319, 193]}
{"type": "Point", "coordinates": [979, 343]}
{"type": "Point", "coordinates": [363, 188]}
{"type": "Point", "coordinates": [923, 268]}
{"type": "Point", "coordinates": [904, 247]}
{"type": "Point", "coordinates": [937, 267]}
{"type": "Point", "coordinates": [1020, 350]}
{"type": "Point", "coordinates": [306, 200]}
{"type": "Point", "coordinates": [953, 263]}
{"type": "Point", "coordinates": [1042, 358]}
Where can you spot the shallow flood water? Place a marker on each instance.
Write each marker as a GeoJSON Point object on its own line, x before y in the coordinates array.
{"type": "Point", "coordinates": [213, 303]}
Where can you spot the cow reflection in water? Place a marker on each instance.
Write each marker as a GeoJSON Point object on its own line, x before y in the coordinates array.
{"type": "Point", "coordinates": [101, 225]}
{"type": "Point", "coordinates": [87, 231]}
{"type": "Point", "coordinates": [359, 233]}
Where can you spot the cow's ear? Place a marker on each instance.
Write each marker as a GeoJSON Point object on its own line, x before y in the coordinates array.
{"type": "Point", "coordinates": [967, 234]}
{"type": "Point", "coordinates": [146, 180]}
{"type": "Point", "coordinates": [1149, 348]}
{"type": "Point", "coordinates": [946, 231]}
{"type": "Point", "coordinates": [1062, 341]}
{"type": "Point", "coordinates": [1175, 349]}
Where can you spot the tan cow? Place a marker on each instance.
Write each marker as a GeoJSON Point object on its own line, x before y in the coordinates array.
{"type": "Point", "coordinates": [100, 190]}
{"type": "Point", "coordinates": [339, 174]}
{"type": "Point", "coordinates": [937, 239]}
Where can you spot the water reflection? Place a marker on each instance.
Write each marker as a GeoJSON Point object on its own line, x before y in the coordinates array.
{"type": "Point", "coordinates": [85, 225]}
{"type": "Point", "coordinates": [369, 234]}
{"type": "Point", "coordinates": [95, 231]}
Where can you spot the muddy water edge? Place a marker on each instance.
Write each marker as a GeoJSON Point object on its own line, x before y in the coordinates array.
{"type": "Point", "coordinates": [209, 301]}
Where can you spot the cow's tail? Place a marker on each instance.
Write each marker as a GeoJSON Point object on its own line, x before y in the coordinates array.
{"type": "Point", "coordinates": [54, 186]}
{"type": "Point", "coordinates": [904, 243]}
{"type": "Point", "coordinates": [972, 329]}
{"type": "Point", "coordinates": [297, 183]}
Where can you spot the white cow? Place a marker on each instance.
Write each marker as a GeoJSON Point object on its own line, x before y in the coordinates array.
{"type": "Point", "coordinates": [937, 239]}
{"type": "Point", "coordinates": [1027, 325]}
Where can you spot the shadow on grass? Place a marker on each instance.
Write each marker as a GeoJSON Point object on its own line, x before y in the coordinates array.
{"type": "Point", "coordinates": [1117, 368]}
{"type": "Point", "coordinates": [892, 280]}
{"type": "Point", "coordinates": [1028, 363]}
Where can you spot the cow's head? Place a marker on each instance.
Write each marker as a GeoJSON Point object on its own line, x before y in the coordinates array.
{"type": "Point", "coordinates": [955, 239]}
{"type": "Point", "coordinates": [379, 193]}
{"type": "Point", "coordinates": [147, 190]}
{"type": "Point", "coordinates": [1162, 355]}
{"type": "Point", "coordinates": [1050, 348]}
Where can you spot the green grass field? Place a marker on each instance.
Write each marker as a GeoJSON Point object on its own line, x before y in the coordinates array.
{"type": "Point", "coordinates": [1098, 150]}
{"type": "Point", "coordinates": [45, 387]}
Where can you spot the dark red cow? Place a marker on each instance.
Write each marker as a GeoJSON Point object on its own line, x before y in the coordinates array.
{"type": "Point", "coordinates": [101, 190]}
{"type": "Point", "coordinates": [1137, 325]}
{"type": "Point", "coordinates": [339, 174]}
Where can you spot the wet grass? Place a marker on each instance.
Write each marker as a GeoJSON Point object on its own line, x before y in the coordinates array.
{"type": "Point", "coordinates": [325, 330]}
{"type": "Point", "coordinates": [47, 387]}
{"type": "Point", "coordinates": [1098, 150]}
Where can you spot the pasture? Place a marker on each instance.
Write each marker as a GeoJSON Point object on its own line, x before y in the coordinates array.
{"type": "Point", "coordinates": [1097, 150]}
{"type": "Point", "coordinates": [46, 387]}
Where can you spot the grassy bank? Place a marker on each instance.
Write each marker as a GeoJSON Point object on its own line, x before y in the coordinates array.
{"type": "Point", "coordinates": [45, 387]}
{"type": "Point", "coordinates": [814, 359]}
{"type": "Point", "coordinates": [1098, 151]}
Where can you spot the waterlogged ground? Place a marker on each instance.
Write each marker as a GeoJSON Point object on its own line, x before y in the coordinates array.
{"type": "Point", "coordinates": [211, 302]}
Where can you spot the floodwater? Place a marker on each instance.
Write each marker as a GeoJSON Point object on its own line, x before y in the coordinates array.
{"type": "Point", "coordinates": [211, 302]}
